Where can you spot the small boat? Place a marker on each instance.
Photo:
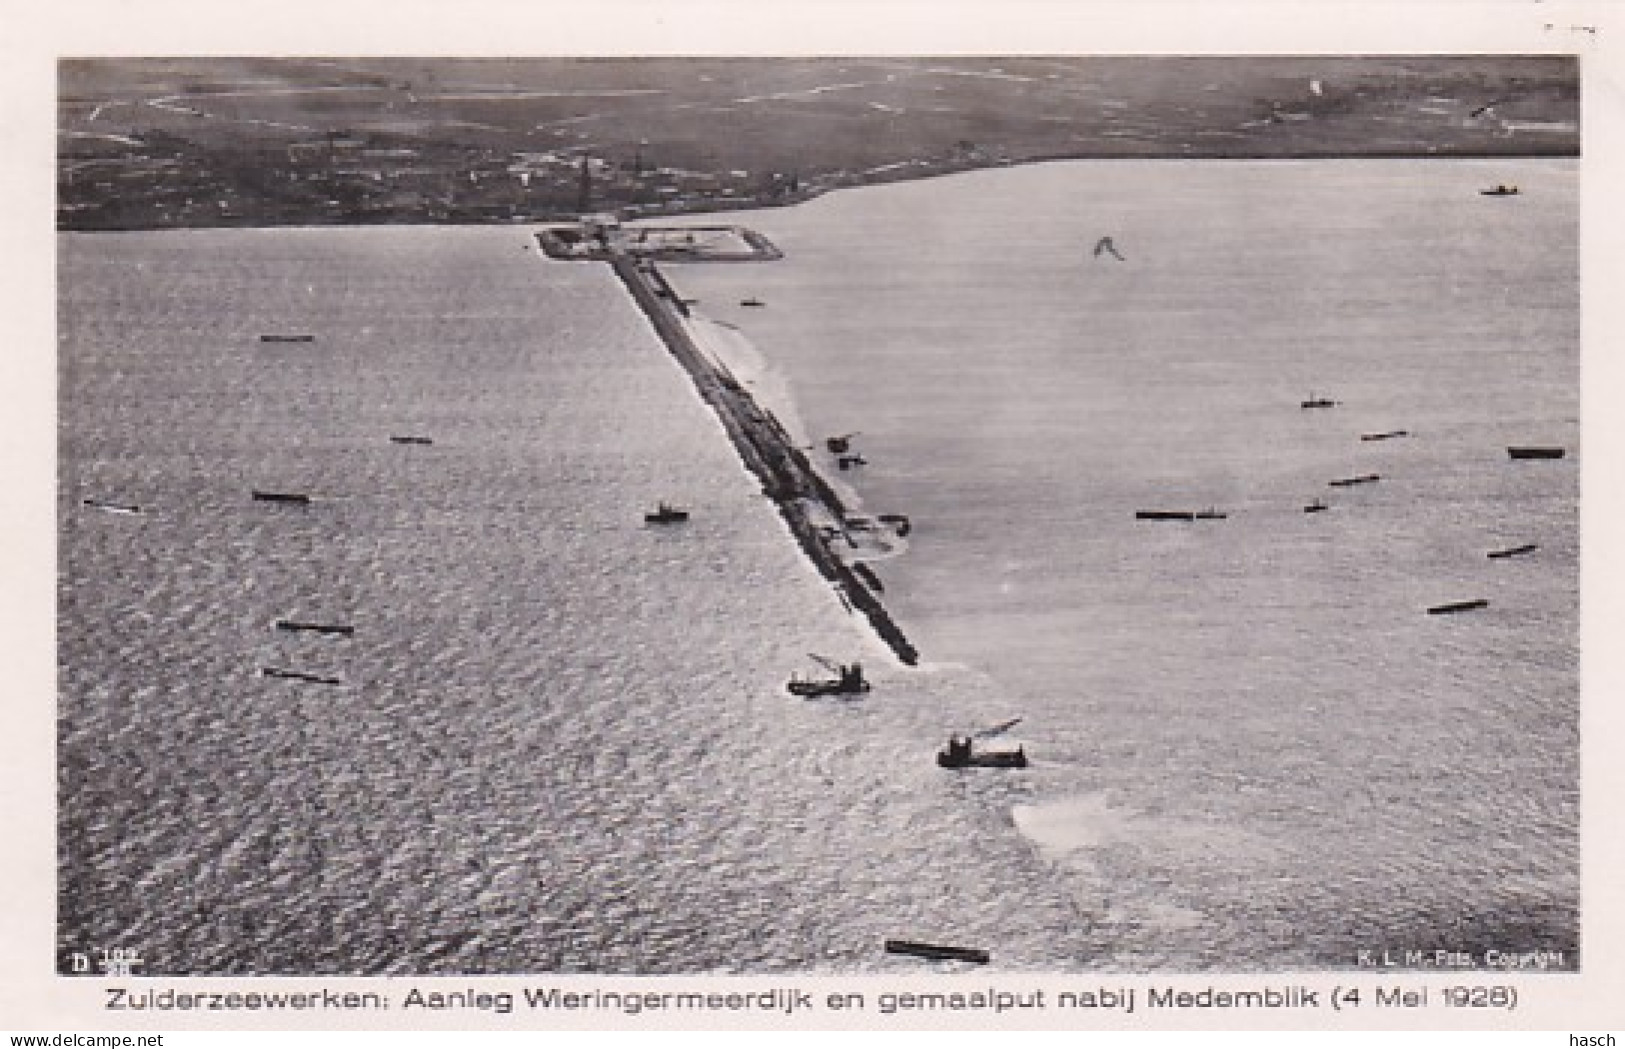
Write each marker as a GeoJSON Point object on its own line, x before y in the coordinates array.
{"type": "Point", "coordinates": [898, 521]}
{"type": "Point", "coordinates": [937, 951]}
{"type": "Point", "coordinates": [1458, 606]}
{"type": "Point", "coordinates": [1164, 515]}
{"type": "Point", "coordinates": [751, 302]}
{"type": "Point", "coordinates": [961, 754]}
{"type": "Point", "coordinates": [846, 462]}
{"type": "Point", "coordinates": [1319, 402]}
{"type": "Point", "coordinates": [287, 338]}
{"type": "Point", "coordinates": [1513, 551]}
{"type": "Point", "coordinates": [294, 626]}
{"type": "Point", "coordinates": [294, 675]}
{"type": "Point", "coordinates": [839, 445]}
{"type": "Point", "coordinates": [1499, 191]}
{"type": "Point", "coordinates": [1210, 514]}
{"type": "Point", "coordinates": [1386, 435]}
{"type": "Point", "coordinates": [849, 681]}
{"type": "Point", "coordinates": [113, 508]}
{"type": "Point", "coordinates": [1315, 507]}
{"type": "Point", "coordinates": [410, 440]}
{"type": "Point", "coordinates": [297, 498]}
{"type": "Point", "coordinates": [1349, 482]}
{"type": "Point", "coordinates": [1523, 452]}
{"type": "Point", "coordinates": [665, 514]}
{"type": "Point", "coordinates": [815, 689]}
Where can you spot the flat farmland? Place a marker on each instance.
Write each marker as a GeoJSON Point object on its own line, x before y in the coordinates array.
{"type": "Point", "coordinates": [148, 143]}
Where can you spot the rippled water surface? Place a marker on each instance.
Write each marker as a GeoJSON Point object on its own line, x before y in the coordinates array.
{"type": "Point", "coordinates": [561, 741]}
{"type": "Point", "coordinates": [1255, 745]}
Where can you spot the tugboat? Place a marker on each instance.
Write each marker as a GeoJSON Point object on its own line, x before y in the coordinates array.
{"type": "Point", "coordinates": [666, 514]}
{"type": "Point", "coordinates": [848, 681]}
{"type": "Point", "coordinates": [297, 498]}
{"type": "Point", "coordinates": [1458, 606]}
{"type": "Point", "coordinates": [297, 675]}
{"type": "Point", "coordinates": [295, 626]}
{"type": "Point", "coordinates": [961, 754]}
{"type": "Point", "coordinates": [112, 508]}
{"type": "Point", "coordinates": [938, 951]}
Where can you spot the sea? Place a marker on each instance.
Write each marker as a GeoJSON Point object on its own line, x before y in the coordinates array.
{"type": "Point", "coordinates": [559, 738]}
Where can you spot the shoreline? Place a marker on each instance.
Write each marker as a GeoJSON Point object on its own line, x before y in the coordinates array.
{"type": "Point", "coordinates": [805, 500]}
{"type": "Point", "coordinates": [924, 171]}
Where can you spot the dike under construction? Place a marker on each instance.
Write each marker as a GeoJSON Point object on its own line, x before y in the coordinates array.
{"type": "Point", "coordinates": [801, 495]}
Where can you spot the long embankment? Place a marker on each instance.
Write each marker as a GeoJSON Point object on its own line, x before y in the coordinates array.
{"type": "Point", "coordinates": [787, 477]}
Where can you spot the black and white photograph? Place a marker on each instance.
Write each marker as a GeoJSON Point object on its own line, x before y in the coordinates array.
{"type": "Point", "coordinates": [920, 515]}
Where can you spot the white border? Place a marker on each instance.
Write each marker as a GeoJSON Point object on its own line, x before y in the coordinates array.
{"type": "Point", "coordinates": [30, 44]}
